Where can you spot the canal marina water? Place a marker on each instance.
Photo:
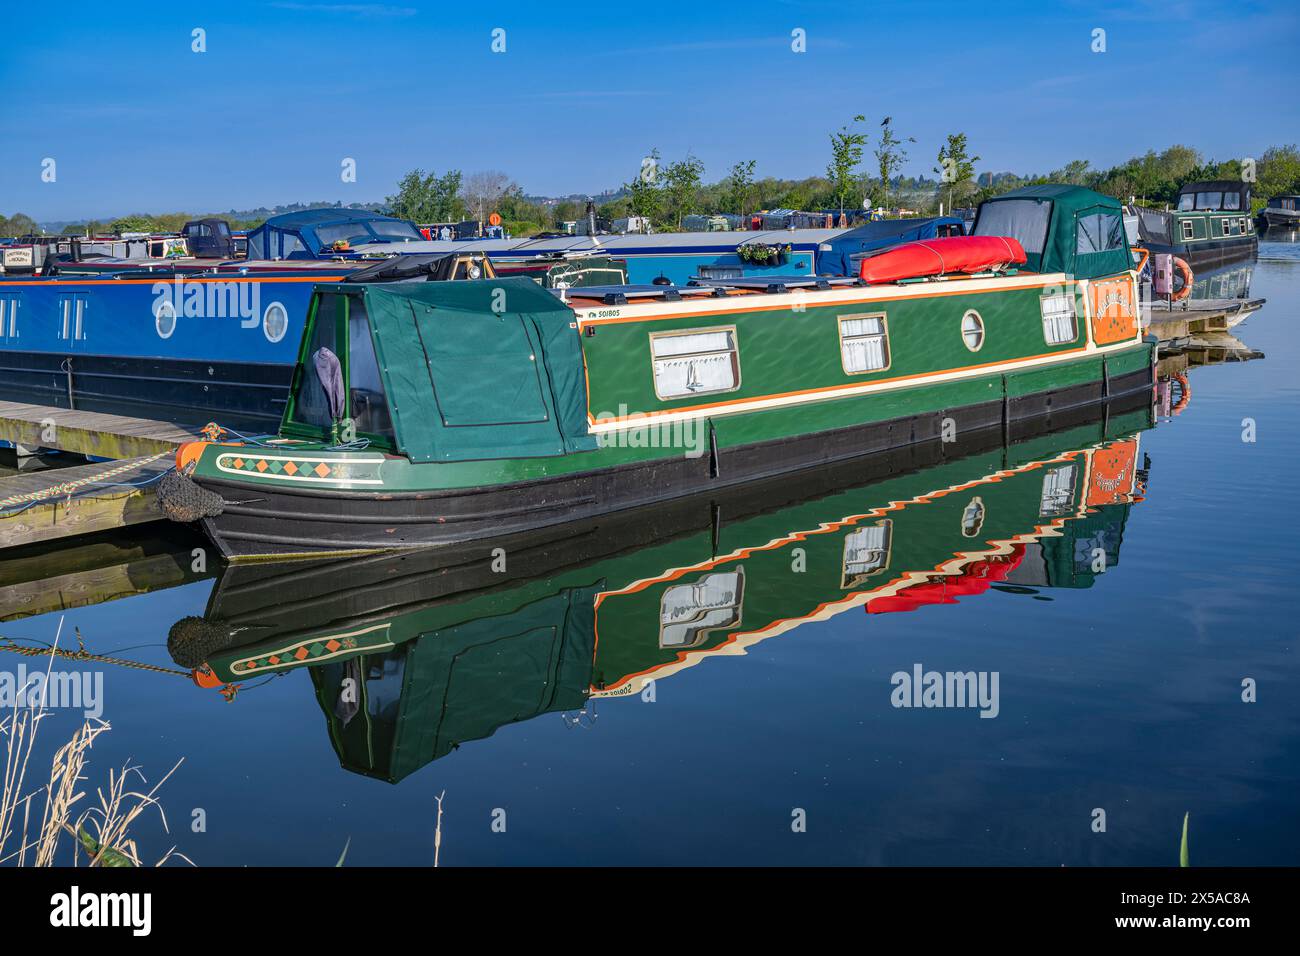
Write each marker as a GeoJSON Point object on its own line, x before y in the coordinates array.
{"type": "Point", "coordinates": [1123, 696]}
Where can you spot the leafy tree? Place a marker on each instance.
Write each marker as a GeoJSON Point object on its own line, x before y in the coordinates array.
{"type": "Point", "coordinates": [890, 156]}
{"type": "Point", "coordinates": [1278, 172]}
{"type": "Point", "coordinates": [137, 222]}
{"type": "Point", "coordinates": [956, 168]}
{"type": "Point", "coordinates": [645, 193]}
{"type": "Point", "coordinates": [1179, 162]}
{"type": "Point", "coordinates": [482, 191]}
{"type": "Point", "coordinates": [739, 184]}
{"type": "Point", "coordinates": [428, 197]}
{"type": "Point", "coordinates": [846, 153]}
{"type": "Point", "coordinates": [1076, 172]}
{"type": "Point", "coordinates": [681, 187]}
{"type": "Point", "coordinates": [20, 224]}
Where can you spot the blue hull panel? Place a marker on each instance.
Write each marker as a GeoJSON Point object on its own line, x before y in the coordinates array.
{"type": "Point", "coordinates": [188, 351]}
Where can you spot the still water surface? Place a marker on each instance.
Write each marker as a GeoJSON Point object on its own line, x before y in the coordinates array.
{"type": "Point", "coordinates": [1121, 619]}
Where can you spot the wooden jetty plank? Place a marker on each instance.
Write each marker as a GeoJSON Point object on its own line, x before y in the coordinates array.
{"type": "Point", "coordinates": [126, 576]}
{"type": "Point", "coordinates": [1220, 316]}
{"type": "Point", "coordinates": [52, 512]}
{"type": "Point", "coordinates": [87, 433]}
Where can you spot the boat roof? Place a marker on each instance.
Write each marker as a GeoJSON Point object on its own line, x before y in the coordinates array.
{"type": "Point", "coordinates": [324, 217]}
{"type": "Point", "coordinates": [1055, 191]}
{"type": "Point", "coordinates": [1215, 185]}
{"type": "Point", "coordinates": [629, 243]}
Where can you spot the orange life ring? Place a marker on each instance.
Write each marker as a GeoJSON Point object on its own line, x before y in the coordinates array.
{"type": "Point", "coordinates": [1184, 397]}
{"type": "Point", "coordinates": [1188, 278]}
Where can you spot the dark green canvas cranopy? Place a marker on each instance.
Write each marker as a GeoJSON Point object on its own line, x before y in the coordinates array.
{"type": "Point", "coordinates": [1066, 229]}
{"type": "Point", "coordinates": [432, 413]}
{"type": "Point", "coordinates": [443, 371]}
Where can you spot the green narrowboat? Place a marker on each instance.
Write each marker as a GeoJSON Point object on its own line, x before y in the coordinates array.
{"type": "Point", "coordinates": [1211, 225]}
{"type": "Point", "coordinates": [427, 413]}
{"type": "Point", "coordinates": [414, 653]}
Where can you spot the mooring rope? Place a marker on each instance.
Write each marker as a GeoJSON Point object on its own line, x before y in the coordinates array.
{"type": "Point", "coordinates": [6, 644]}
{"type": "Point", "coordinates": [67, 488]}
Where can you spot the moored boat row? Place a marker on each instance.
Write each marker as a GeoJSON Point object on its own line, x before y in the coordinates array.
{"type": "Point", "coordinates": [433, 413]}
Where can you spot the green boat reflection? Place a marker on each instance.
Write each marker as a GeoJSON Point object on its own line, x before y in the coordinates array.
{"type": "Point", "coordinates": [413, 654]}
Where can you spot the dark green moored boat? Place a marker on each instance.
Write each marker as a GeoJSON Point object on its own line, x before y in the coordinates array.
{"type": "Point", "coordinates": [1211, 225]}
{"type": "Point", "coordinates": [426, 413]}
{"type": "Point", "coordinates": [414, 653]}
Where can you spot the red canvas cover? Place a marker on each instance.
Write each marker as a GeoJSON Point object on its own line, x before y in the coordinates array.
{"type": "Point", "coordinates": [933, 257]}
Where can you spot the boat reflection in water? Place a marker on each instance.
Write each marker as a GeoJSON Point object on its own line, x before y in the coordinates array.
{"type": "Point", "coordinates": [1227, 283]}
{"type": "Point", "coordinates": [413, 654]}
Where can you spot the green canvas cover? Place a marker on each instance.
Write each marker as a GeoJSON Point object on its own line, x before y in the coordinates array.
{"type": "Point", "coordinates": [462, 683]}
{"type": "Point", "coordinates": [1085, 233]}
{"type": "Point", "coordinates": [479, 369]}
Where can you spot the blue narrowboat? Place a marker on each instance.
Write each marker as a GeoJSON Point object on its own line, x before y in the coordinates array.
{"type": "Point", "coordinates": [164, 343]}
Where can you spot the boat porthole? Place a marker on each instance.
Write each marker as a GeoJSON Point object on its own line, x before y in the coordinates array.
{"type": "Point", "coordinates": [972, 330]}
{"type": "Point", "coordinates": [275, 322]}
{"type": "Point", "coordinates": [164, 319]}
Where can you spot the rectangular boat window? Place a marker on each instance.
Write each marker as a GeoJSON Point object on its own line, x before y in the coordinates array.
{"type": "Point", "coordinates": [1227, 227]}
{"type": "Point", "coordinates": [688, 613]}
{"type": "Point", "coordinates": [1022, 219]}
{"type": "Point", "coordinates": [1058, 492]}
{"type": "Point", "coordinates": [311, 406]}
{"type": "Point", "coordinates": [866, 552]}
{"type": "Point", "coordinates": [1059, 318]}
{"type": "Point", "coordinates": [1188, 229]}
{"type": "Point", "coordinates": [291, 246]}
{"type": "Point", "coordinates": [864, 343]}
{"type": "Point", "coordinates": [1232, 200]}
{"type": "Point", "coordinates": [1099, 232]}
{"type": "Point", "coordinates": [695, 363]}
{"type": "Point", "coordinates": [1209, 200]}
{"type": "Point", "coordinates": [343, 232]}
{"type": "Point", "coordinates": [395, 230]}
{"type": "Point", "coordinates": [1186, 202]}
{"type": "Point", "coordinates": [9, 317]}
{"type": "Point", "coordinates": [367, 403]}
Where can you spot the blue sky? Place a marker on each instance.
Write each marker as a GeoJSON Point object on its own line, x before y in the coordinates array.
{"type": "Point", "coordinates": [136, 121]}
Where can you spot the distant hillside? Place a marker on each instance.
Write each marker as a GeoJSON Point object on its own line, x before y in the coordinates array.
{"type": "Point", "coordinates": [239, 217]}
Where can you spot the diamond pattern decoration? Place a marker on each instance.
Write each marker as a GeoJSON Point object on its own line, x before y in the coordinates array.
{"type": "Point", "coordinates": [309, 651]}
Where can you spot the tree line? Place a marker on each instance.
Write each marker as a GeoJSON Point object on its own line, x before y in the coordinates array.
{"type": "Point", "coordinates": [665, 192]}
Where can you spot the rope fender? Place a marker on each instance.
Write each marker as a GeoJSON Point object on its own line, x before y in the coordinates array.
{"type": "Point", "coordinates": [184, 501]}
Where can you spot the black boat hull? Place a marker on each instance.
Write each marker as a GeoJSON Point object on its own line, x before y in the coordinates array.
{"type": "Point", "coordinates": [246, 396]}
{"type": "Point", "coordinates": [1204, 256]}
{"type": "Point", "coordinates": [256, 521]}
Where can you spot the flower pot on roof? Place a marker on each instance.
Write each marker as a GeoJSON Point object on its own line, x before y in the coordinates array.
{"type": "Point", "coordinates": [761, 254]}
